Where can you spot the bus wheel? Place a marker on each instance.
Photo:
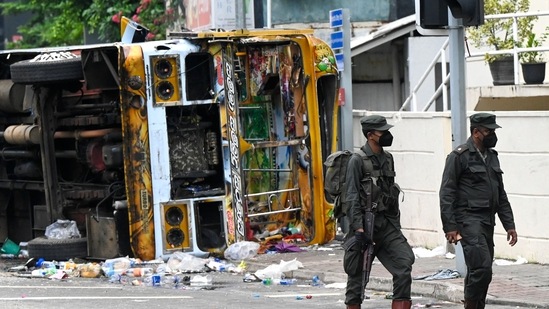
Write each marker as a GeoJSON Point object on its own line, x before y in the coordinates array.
{"type": "Point", "coordinates": [58, 249]}
{"type": "Point", "coordinates": [48, 69]}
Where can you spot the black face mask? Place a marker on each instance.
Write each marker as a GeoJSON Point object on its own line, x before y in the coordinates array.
{"type": "Point", "coordinates": [490, 140]}
{"type": "Point", "coordinates": [386, 139]}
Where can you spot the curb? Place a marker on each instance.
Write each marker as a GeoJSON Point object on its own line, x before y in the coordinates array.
{"type": "Point", "coordinates": [438, 290]}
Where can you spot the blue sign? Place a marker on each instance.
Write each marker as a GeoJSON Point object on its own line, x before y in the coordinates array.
{"type": "Point", "coordinates": [336, 18]}
{"type": "Point", "coordinates": [336, 40]}
{"type": "Point", "coordinates": [339, 62]}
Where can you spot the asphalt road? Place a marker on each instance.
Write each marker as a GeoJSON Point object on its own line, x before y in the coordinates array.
{"type": "Point", "coordinates": [226, 291]}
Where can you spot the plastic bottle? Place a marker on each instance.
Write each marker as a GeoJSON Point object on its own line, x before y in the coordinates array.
{"type": "Point", "coordinates": [153, 280]}
{"type": "Point", "coordinates": [316, 281]}
{"type": "Point", "coordinates": [267, 281]}
{"type": "Point", "coordinates": [287, 281]}
{"type": "Point", "coordinates": [116, 278]}
{"type": "Point", "coordinates": [138, 272]}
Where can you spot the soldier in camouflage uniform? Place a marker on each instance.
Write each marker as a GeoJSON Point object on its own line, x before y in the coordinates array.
{"type": "Point", "coordinates": [471, 194]}
{"type": "Point", "coordinates": [390, 246]}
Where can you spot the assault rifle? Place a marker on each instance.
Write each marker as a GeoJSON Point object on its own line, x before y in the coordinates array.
{"type": "Point", "coordinates": [368, 223]}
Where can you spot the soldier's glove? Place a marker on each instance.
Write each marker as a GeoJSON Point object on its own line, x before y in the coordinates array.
{"type": "Point", "coordinates": [363, 239]}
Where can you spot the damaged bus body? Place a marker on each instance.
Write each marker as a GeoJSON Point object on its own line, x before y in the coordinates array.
{"type": "Point", "coordinates": [188, 144]}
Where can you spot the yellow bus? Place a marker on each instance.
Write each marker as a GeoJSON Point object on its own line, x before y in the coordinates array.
{"type": "Point", "coordinates": [188, 144]}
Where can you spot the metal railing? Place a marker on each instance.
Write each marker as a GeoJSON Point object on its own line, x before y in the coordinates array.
{"type": "Point", "coordinates": [442, 90]}
{"type": "Point", "coordinates": [516, 50]}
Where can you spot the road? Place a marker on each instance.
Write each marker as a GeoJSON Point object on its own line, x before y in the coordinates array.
{"type": "Point", "coordinates": [226, 291]}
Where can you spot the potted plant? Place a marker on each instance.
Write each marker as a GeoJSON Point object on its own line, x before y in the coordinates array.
{"type": "Point", "coordinates": [532, 62]}
{"type": "Point", "coordinates": [497, 34]}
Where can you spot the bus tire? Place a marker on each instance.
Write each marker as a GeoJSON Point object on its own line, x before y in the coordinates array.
{"type": "Point", "coordinates": [58, 249]}
{"type": "Point", "coordinates": [47, 69]}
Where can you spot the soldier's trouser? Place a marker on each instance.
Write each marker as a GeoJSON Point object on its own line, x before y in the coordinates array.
{"type": "Point", "coordinates": [478, 251]}
{"type": "Point", "coordinates": [392, 250]}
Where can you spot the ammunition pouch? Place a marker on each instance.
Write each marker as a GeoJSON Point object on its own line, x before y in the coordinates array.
{"type": "Point", "coordinates": [390, 200]}
{"type": "Point", "coordinates": [349, 243]}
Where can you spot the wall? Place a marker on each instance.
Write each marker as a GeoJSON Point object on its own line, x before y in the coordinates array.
{"type": "Point", "coordinates": [422, 141]}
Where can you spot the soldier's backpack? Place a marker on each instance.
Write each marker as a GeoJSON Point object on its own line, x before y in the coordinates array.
{"type": "Point", "coordinates": [334, 178]}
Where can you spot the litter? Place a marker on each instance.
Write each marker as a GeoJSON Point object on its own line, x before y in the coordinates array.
{"type": "Point", "coordinates": [440, 275]}
{"type": "Point", "coordinates": [520, 260]}
{"type": "Point", "coordinates": [275, 271]}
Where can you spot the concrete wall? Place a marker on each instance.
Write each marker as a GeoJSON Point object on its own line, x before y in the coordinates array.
{"type": "Point", "coordinates": [422, 141]}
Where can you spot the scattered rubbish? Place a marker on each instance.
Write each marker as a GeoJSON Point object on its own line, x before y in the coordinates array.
{"type": "Point", "coordinates": [426, 306]}
{"type": "Point", "coordinates": [450, 255]}
{"type": "Point", "coordinates": [241, 250]}
{"type": "Point", "coordinates": [275, 271]}
{"type": "Point", "coordinates": [267, 281]}
{"type": "Point", "coordinates": [251, 278]}
{"type": "Point", "coordinates": [283, 247]}
{"type": "Point", "coordinates": [62, 229]}
{"type": "Point", "coordinates": [309, 296]}
{"type": "Point", "coordinates": [9, 248]}
{"type": "Point", "coordinates": [116, 265]}
{"type": "Point", "coordinates": [59, 275]}
{"type": "Point", "coordinates": [181, 262]}
{"type": "Point", "coordinates": [325, 249]}
{"type": "Point", "coordinates": [440, 275]}
{"type": "Point", "coordinates": [336, 285]}
{"type": "Point", "coordinates": [199, 280]}
{"type": "Point", "coordinates": [420, 252]}
{"type": "Point", "coordinates": [316, 281]}
{"type": "Point", "coordinates": [90, 270]}
{"type": "Point", "coordinates": [299, 297]}
{"type": "Point", "coordinates": [520, 260]}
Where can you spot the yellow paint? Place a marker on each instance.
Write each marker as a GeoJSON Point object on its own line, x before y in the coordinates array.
{"type": "Point", "coordinates": [136, 155]}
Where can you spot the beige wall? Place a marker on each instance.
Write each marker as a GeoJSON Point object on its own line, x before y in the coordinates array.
{"type": "Point", "coordinates": [421, 143]}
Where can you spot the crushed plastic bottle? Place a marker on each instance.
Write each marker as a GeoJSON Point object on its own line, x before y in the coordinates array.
{"type": "Point", "coordinates": [316, 281]}
{"type": "Point", "coordinates": [287, 281]}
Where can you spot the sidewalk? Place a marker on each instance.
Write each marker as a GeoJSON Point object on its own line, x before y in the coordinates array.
{"type": "Point", "coordinates": [524, 285]}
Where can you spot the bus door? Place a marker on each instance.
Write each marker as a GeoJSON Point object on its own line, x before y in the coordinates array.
{"type": "Point", "coordinates": [267, 133]}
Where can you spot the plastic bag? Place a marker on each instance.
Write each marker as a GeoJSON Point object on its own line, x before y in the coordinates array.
{"type": "Point", "coordinates": [274, 271]}
{"type": "Point", "coordinates": [185, 262]}
{"type": "Point", "coordinates": [62, 229]}
{"type": "Point", "coordinates": [241, 250]}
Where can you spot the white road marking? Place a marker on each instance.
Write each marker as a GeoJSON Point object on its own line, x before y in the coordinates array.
{"type": "Point", "coordinates": [92, 297]}
{"type": "Point", "coordinates": [56, 287]}
{"type": "Point", "coordinates": [301, 294]}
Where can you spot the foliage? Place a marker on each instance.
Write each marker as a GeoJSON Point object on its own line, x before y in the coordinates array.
{"type": "Point", "coordinates": [52, 22]}
{"type": "Point", "coordinates": [498, 33]}
{"type": "Point", "coordinates": [152, 14]}
{"type": "Point", "coordinates": [64, 22]}
{"type": "Point", "coordinates": [533, 56]}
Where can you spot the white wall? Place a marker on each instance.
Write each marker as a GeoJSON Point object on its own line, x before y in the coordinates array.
{"type": "Point", "coordinates": [421, 143]}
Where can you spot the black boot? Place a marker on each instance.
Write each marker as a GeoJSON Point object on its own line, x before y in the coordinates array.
{"type": "Point", "coordinates": [470, 304]}
{"type": "Point", "coordinates": [401, 304]}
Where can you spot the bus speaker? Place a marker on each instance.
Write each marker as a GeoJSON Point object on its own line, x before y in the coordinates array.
{"type": "Point", "coordinates": [176, 227]}
{"type": "Point", "coordinates": [165, 72]}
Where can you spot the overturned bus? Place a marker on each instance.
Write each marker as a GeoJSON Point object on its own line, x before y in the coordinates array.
{"type": "Point", "coordinates": [188, 144]}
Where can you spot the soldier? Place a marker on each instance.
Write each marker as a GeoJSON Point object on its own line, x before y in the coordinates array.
{"type": "Point", "coordinates": [390, 245]}
{"type": "Point", "coordinates": [471, 194]}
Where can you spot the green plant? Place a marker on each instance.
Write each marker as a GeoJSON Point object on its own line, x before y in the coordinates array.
{"type": "Point", "coordinates": [58, 23]}
{"type": "Point", "coordinates": [497, 34]}
{"type": "Point", "coordinates": [532, 41]}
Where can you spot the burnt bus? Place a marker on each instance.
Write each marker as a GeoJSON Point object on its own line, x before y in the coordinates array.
{"type": "Point", "coordinates": [188, 144]}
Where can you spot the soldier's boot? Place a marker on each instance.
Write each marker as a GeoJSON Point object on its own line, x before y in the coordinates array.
{"type": "Point", "coordinates": [401, 304]}
{"type": "Point", "coordinates": [471, 304]}
{"type": "Point", "coordinates": [354, 306]}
